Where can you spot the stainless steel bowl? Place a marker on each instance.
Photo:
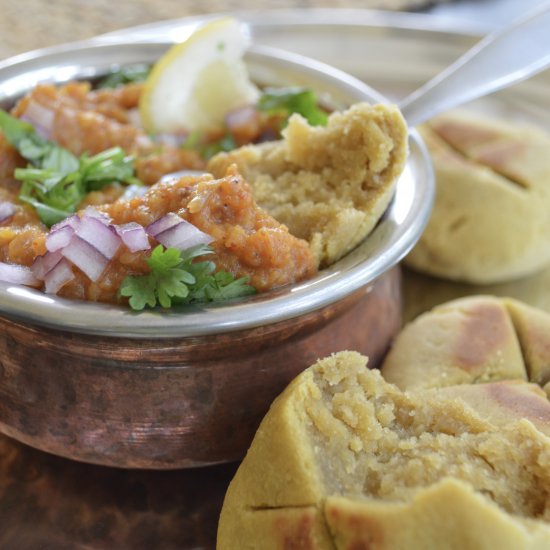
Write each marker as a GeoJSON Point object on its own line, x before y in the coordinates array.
{"type": "Point", "coordinates": [160, 389]}
{"type": "Point", "coordinates": [390, 241]}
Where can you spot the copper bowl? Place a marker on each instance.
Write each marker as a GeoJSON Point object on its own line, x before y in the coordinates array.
{"type": "Point", "coordinates": [184, 388]}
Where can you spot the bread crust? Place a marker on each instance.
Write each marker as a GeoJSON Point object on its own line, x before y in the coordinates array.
{"type": "Point", "coordinates": [328, 185]}
{"type": "Point", "coordinates": [490, 219]}
{"type": "Point", "coordinates": [351, 461]}
{"type": "Point", "coordinates": [471, 340]}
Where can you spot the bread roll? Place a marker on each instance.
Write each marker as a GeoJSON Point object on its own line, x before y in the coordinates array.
{"type": "Point", "coordinates": [346, 460]}
{"type": "Point", "coordinates": [490, 222]}
{"type": "Point", "coordinates": [471, 340]}
{"type": "Point", "coordinates": [328, 185]}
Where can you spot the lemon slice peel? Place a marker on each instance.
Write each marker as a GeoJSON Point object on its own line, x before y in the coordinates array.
{"type": "Point", "coordinates": [196, 82]}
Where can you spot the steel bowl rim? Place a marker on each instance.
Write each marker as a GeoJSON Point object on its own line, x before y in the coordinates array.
{"type": "Point", "coordinates": [329, 286]}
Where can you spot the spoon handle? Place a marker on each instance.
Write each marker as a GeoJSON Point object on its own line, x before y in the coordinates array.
{"type": "Point", "coordinates": [497, 61]}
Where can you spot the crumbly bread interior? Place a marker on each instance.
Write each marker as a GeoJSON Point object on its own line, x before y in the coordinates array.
{"type": "Point", "coordinates": [374, 441]}
{"type": "Point", "coordinates": [328, 185]}
{"type": "Point", "coordinates": [344, 459]}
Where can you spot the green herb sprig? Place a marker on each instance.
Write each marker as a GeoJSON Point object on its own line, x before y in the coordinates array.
{"type": "Point", "coordinates": [286, 101]}
{"type": "Point", "coordinates": [125, 75]}
{"type": "Point", "coordinates": [176, 279]}
{"type": "Point", "coordinates": [208, 150]}
{"type": "Point", "coordinates": [56, 181]}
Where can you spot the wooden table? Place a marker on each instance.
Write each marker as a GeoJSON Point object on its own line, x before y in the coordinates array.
{"type": "Point", "coordinates": [49, 503]}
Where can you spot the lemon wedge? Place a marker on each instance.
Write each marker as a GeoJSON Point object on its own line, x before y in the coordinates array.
{"type": "Point", "coordinates": [196, 82]}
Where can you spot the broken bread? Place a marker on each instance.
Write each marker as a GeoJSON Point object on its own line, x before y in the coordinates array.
{"type": "Point", "coordinates": [329, 185]}
{"type": "Point", "coordinates": [344, 460]}
{"type": "Point", "coordinates": [490, 219]}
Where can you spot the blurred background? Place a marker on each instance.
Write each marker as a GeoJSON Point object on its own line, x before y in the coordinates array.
{"type": "Point", "coordinates": [30, 24]}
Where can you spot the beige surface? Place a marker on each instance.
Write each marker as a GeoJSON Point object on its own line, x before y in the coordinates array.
{"type": "Point", "coordinates": [29, 24]}
{"type": "Point", "coordinates": [422, 292]}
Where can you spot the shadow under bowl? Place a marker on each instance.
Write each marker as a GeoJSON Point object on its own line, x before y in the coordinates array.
{"type": "Point", "coordinates": [188, 387]}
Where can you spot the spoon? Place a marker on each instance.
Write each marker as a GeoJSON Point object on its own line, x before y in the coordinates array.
{"type": "Point", "coordinates": [499, 60]}
{"type": "Point", "coordinates": [502, 58]}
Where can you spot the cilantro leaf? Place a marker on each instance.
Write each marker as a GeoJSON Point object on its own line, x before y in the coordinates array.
{"type": "Point", "coordinates": [14, 129]}
{"type": "Point", "coordinates": [108, 166]}
{"type": "Point", "coordinates": [195, 141]}
{"type": "Point", "coordinates": [125, 75]}
{"type": "Point", "coordinates": [175, 278]}
{"type": "Point", "coordinates": [286, 101]}
{"type": "Point", "coordinates": [225, 287]}
{"type": "Point", "coordinates": [57, 181]}
{"type": "Point", "coordinates": [141, 290]}
{"type": "Point", "coordinates": [226, 143]}
{"type": "Point", "coordinates": [59, 160]}
{"type": "Point", "coordinates": [24, 138]}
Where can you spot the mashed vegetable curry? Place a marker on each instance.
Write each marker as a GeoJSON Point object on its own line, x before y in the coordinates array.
{"type": "Point", "coordinates": [328, 184]}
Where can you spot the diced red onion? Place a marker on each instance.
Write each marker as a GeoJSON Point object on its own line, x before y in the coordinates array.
{"type": "Point", "coordinates": [134, 118]}
{"type": "Point", "coordinates": [91, 212]}
{"type": "Point", "coordinates": [133, 191]}
{"type": "Point", "coordinates": [244, 122]}
{"type": "Point", "coordinates": [40, 117]}
{"type": "Point", "coordinates": [133, 236]}
{"type": "Point", "coordinates": [173, 231]}
{"type": "Point", "coordinates": [17, 274]}
{"type": "Point", "coordinates": [7, 210]}
{"type": "Point", "coordinates": [72, 221]}
{"type": "Point", "coordinates": [100, 236]}
{"type": "Point", "coordinates": [162, 224]}
{"type": "Point", "coordinates": [42, 265]}
{"type": "Point", "coordinates": [143, 142]}
{"type": "Point", "coordinates": [87, 258]}
{"type": "Point", "coordinates": [59, 238]}
{"type": "Point", "coordinates": [183, 236]}
{"type": "Point", "coordinates": [60, 275]}
{"type": "Point", "coordinates": [90, 241]}
{"type": "Point", "coordinates": [173, 140]}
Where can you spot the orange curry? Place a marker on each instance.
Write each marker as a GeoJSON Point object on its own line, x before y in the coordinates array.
{"type": "Point", "coordinates": [246, 240]}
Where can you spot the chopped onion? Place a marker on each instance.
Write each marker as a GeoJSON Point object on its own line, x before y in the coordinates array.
{"type": "Point", "coordinates": [173, 231]}
{"type": "Point", "coordinates": [72, 221]}
{"type": "Point", "coordinates": [164, 223]}
{"type": "Point", "coordinates": [173, 140]}
{"type": "Point", "coordinates": [59, 238]}
{"type": "Point", "coordinates": [17, 274]}
{"type": "Point", "coordinates": [44, 264]}
{"type": "Point", "coordinates": [90, 241]}
{"type": "Point", "coordinates": [100, 236]}
{"type": "Point", "coordinates": [91, 212]}
{"type": "Point", "coordinates": [244, 123]}
{"type": "Point", "coordinates": [134, 118]}
{"type": "Point", "coordinates": [40, 117]}
{"type": "Point", "coordinates": [183, 236]}
{"type": "Point", "coordinates": [60, 275]}
{"type": "Point", "coordinates": [133, 236]}
{"type": "Point", "coordinates": [7, 210]}
{"type": "Point", "coordinates": [87, 258]}
{"type": "Point", "coordinates": [133, 191]}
